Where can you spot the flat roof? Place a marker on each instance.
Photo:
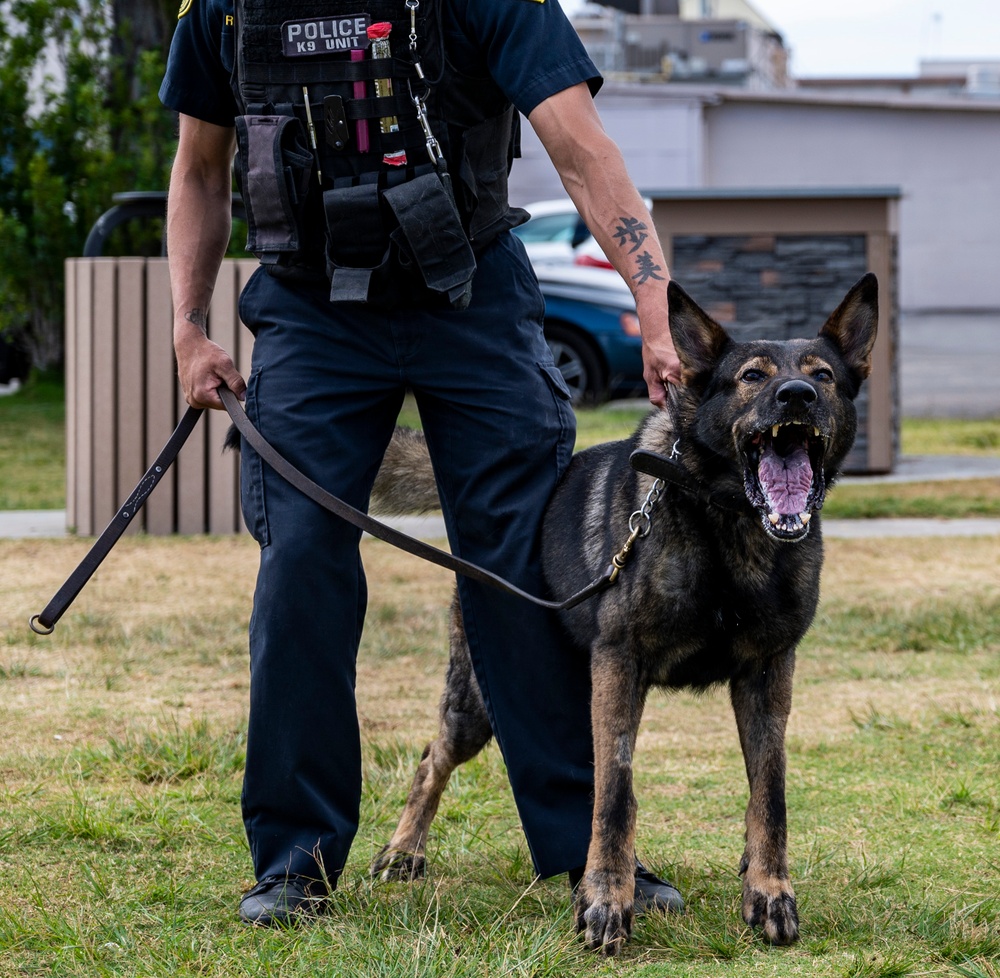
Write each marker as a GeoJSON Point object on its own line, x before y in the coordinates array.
{"type": "Point", "coordinates": [717, 94]}
{"type": "Point", "coordinates": [773, 193]}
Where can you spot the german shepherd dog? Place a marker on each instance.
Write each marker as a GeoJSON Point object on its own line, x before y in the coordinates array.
{"type": "Point", "coordinates": [720, 586]}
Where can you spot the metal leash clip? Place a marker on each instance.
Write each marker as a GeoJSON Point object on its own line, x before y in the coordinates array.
{"type": "Point", "coordinates": [637, 529]}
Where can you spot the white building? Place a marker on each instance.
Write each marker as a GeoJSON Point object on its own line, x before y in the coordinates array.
{"type": "Point", "coordinates": [942, 152]}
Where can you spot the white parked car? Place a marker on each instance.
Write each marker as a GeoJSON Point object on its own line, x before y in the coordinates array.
{"type": "Point", "coordinates": [556, 235]}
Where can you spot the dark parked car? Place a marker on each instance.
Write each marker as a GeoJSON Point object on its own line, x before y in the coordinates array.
{"type": "Point", "coordinates": [592, 328]}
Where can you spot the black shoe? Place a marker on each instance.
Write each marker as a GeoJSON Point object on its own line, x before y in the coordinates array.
{"type": "Point", "coordinates": [651, 893]}
{"type": "Point", "coordinates": [281, 901]}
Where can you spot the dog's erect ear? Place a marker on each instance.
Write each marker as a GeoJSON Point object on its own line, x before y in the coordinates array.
{"type": "Point", "coordinates": [698, 339]}
{"type": "Point", "coordinates": [854, 325]}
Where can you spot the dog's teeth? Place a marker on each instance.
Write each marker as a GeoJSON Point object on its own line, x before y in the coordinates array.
{"type": "Point", "coordinates": [805, 517]}
{"type": "Point", "coordinates": [816, 432]}
{"type": "Point", "coordinates": [774, 518]}
{"type": "Point", "coordinates": [774, 430]}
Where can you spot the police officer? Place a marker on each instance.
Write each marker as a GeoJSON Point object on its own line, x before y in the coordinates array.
{"type": "Point", "coordinates": [375, 183]}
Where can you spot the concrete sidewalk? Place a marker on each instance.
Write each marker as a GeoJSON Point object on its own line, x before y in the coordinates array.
{"type": "Point", "coordinates": [928, 468]}
{"type": "Point", "coordinates": [51, 523]}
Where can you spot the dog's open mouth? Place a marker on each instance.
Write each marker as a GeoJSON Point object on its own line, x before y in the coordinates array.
{"type": "Point", "coordinates": [783, 478]}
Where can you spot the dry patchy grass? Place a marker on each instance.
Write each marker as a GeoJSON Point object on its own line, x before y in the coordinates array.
{"type": "Point", "coordinates": [158, 636]}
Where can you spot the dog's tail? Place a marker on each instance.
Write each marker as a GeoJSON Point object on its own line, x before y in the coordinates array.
{"type": "Point", "coordinates": [405, 482]}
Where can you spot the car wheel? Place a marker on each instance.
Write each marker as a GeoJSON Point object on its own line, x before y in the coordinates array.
{"type": "Point", "coordinates": [578, 363]}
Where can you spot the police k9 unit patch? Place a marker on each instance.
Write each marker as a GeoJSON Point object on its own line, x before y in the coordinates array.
{"type": "Point", "coordinates": [324, 35]}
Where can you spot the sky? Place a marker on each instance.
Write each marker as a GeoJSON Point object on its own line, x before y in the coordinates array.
{"type": "Point", "coordinates": [878, 37]}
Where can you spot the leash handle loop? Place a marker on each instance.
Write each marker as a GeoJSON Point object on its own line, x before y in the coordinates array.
{"type": "Point", "coordinates": [44, 623]}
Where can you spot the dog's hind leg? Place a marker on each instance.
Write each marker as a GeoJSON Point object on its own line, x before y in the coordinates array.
{"type": "Point", "coordinates": [463, 731]}
{"type": "Point", "coordinates": [762, 700]}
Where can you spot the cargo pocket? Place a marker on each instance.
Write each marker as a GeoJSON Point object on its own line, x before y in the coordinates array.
{"type": "Point", "coordinates": [276, 166]}
{"type": "Point", "coordinates": [252, 500]}
{"type": "Point", "coordinates": [564, 409]}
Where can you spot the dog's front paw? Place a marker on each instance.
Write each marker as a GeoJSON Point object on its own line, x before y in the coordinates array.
{"type": "Point", "coordinates": [394, 866]}
{"type": "Point", "coordinates": [604, 914]}
{"type": "Point", "coordinates": [770, 905]}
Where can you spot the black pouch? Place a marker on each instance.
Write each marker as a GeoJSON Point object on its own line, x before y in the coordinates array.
{"type": "Point", "coordinates": [430, 232]}
{"type": "Point", "coordinates": [357, 242]}
{"type": "Point", "coordinates": [276, 166]}
{"type": "Point", "coordinates": [387, 245]}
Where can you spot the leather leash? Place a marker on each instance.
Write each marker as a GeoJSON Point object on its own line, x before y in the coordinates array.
{"type": "Point", "coordinates": [44, 623]}
{"type": "Point", "coordinates": [387, 534]}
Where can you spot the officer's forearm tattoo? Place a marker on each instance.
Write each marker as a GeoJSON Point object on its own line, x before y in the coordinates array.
{"type": "Point", "coordinates": [631, 233]}
{"type": "Point", "coordinates": [199, 317]}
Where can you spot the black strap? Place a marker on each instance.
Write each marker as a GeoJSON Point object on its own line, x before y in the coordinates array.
{"type": "Point", "coordinates": [662, 467]}
{"type": "Point", "coordinates": [387, 534]}
{"type": "Point", "coordinates": [45, 622]}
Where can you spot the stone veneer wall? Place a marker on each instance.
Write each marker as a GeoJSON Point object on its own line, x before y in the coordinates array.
{"type": "Point", "coordinates": [774, 287]}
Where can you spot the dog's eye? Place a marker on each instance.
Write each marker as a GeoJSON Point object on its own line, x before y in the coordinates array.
{"type": "Point", "coordinates": [823, 375]}
{"type": "Point", "coordinates": [753, 376]}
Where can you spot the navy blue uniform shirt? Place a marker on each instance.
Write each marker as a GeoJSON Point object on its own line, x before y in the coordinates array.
{"type": "Point", "coordinates": [528, 46]}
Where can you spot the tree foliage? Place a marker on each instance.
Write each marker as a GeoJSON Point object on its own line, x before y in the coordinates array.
{"type": "Point", "coordinates": [79, 121]}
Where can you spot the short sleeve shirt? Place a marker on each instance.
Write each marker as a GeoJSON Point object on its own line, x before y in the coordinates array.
{"type": "Point", "coordinates": [528, 47]}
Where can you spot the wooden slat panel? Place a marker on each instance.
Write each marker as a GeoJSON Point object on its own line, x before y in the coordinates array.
{"type": "Point", "coordinates": [131, 378]}
{"type": "Point", "coordinates": [83, 400]}
{"type": "Point", "coordinates": [223, 471]}
{"type": "Point", "coordinates": [191, 474]}
{"type": "Point", "coordinates": [72, 419]}
{"type": "Point", "coordinates": [105, 434]}
{"type": "Point", "coordinates": [161, 396]}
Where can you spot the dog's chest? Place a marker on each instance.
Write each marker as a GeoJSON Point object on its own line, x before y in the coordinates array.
{"type": "Point", "coordinates": [718, 614]}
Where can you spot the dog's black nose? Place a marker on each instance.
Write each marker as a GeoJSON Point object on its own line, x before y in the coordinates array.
{"type": "Point", "coordinates": [796, 392]}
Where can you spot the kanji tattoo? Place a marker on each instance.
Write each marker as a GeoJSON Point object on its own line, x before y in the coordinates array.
{"type": "Point", "coordinates": [647, 269]}
{"type": "Point", "coordinates": [632, 232]}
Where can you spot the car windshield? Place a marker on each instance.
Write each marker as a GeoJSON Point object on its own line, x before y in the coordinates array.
{"type": "Point", "coordinates": [553, 227]}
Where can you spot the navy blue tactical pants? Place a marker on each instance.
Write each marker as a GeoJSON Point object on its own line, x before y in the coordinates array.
{"type": "Point", "coordinates": [325, 388]}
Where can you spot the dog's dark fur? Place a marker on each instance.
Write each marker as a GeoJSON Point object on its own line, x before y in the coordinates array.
{"type": "Point", "coordinates": [710, 595]}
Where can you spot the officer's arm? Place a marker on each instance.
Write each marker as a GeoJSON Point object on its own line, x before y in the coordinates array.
{"type": "Point", "coordinates": [594, 174]}
{"type": "Point", "coordinates": [198, 227]}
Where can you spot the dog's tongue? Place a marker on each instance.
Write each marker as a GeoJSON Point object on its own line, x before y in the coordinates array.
{"type": "Point", "coordinates": [786, 480]}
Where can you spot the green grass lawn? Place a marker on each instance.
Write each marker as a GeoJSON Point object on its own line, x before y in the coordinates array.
{"type": "Point", "coordinates": [33, 446]}
{"type": "Point", "coordinates": [122, 752]}
{"type": "Point", "coordinates": [33, 457]}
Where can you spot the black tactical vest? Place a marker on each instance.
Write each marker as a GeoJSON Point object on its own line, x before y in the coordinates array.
{"type": "Point", "coordinates": [342, 178]}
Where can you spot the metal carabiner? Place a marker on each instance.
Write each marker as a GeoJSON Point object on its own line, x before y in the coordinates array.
{"type": "Point", "coordinates": [412, 6]}
{"type": "Point", "coordinates": [430, 140]}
